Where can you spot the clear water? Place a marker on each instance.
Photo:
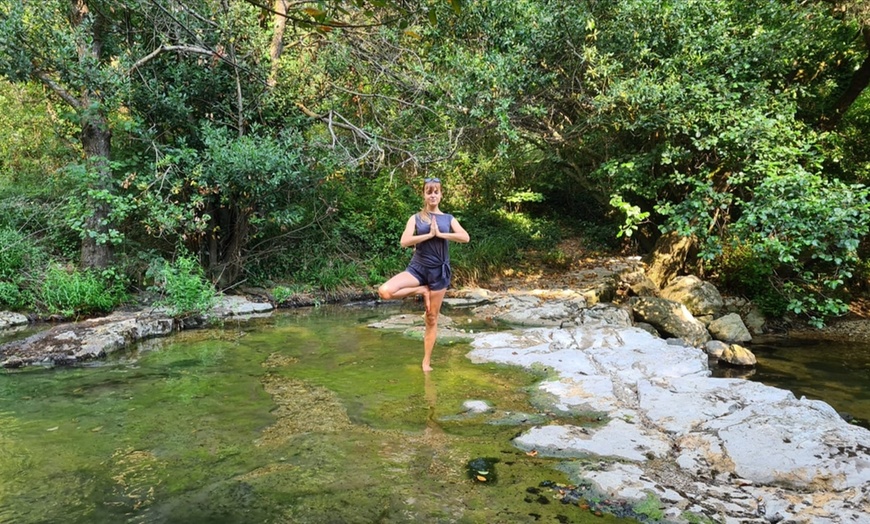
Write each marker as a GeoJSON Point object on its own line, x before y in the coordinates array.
{"type": "Point", "coordinates": [835, 372]}
{"type": "Point", "coordinates": [309, 416]}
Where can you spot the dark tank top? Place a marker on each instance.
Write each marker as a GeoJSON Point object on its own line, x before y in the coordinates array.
{"type": "Point", "coordinates": [434, 252]}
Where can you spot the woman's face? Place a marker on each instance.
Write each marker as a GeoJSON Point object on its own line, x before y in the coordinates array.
{"type": "Point", "coordinates": [432, 194]}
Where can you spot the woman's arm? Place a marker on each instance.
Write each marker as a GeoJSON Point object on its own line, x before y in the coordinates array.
{"type": "Point", "coordinates": [458, 233]}
{"type": "Point", "coordinates": [409, 239]}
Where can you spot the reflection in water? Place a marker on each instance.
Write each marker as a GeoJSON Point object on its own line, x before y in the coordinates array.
{"type": "Point", "coordinates": [433, 432]}
{"type": "Point", "coordinates": [837, 373]}
{"type": "Point", "coordinates": [735, 372]}
{"type": "Point", "coordinates": [431, 397]}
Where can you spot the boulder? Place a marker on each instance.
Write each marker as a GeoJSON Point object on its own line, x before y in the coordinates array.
{"type": "Point", "coordinates": [715, 348]}
{"type": "Point", "coordinates": [729, 328]}
{"type": "Point", "coordinates": [754, 320]}
{"type": "Point", "coordinates": [737, 355]}
{"type": "Point", "coordinates": [670, 318]}
{"type": "Point", "coordinates": [68, 344]}
{"type": "Point", "coordinates": [530, 310]}
{"type": "Point", "coordinates": [700, 297]}
{"type": "Point", "coordinates": [603, 314]}
{"type": "Point", "coordinates": [638, 284]}
{"type": "Point", "coordinates": [9, 319]}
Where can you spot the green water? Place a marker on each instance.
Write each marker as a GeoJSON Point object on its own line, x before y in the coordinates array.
{"type": "Point", "coordinates": [308, 416]}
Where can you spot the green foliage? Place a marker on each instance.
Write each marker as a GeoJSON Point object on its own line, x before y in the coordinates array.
{"type": "Point", "coordinates": [851, 146]}
{"type": "Point", "coordinates": [331, 275]}
{"type": "Point", "coordinates": [498, 240]}
{"type": "Point", "coordinates": [633, 215]}
{"type": "Point", "coordinates": [11, 296]}
{"type": "Point", "coordinates": [185, 290]}
{"type": "Point", "coordinates": [808, 228]}
{"type": "Point", "coordinates": [21, 261]}
{"type": "Point", "coordinates": [701, 117]}
{"type": "Point", "coordinates": [73, 293]}
{"type": "Point", "coordinates": [34, 142]}
{"type": "Point", "coordinates": [283, 293]}
{"type": "Point", "coordinates": [650, 507]}
{"type": "Point", "coordinates": [17, 255]}
{"type": "Point", "coordinates": [742, 272]}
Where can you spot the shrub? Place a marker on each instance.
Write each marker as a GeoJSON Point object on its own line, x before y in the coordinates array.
{"type": "Point", "coordinates": [73, 292]}
{"type": "Point", "coordinates": [11, 296]}
{"type": "Point", "coordinates": [182, 283]}
{"type": "Point", "coordinates": [743, 272]}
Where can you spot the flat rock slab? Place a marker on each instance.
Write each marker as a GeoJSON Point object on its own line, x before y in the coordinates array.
{"type": "Point", "coordinates": [86, 340]}
{"type": "Point", "coordinates": [10, 319]}
{"type": "Point", "coordinates": [731, 450]}
{"type": "Point", "coordinates": [73, 342]}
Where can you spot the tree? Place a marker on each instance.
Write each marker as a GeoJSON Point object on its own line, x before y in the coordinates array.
{"type": "Point", "coordinates": [96, 56]}
{"type": "Point", "coordinates": [697, 117]}
{"type": "Point", "coordinates": [83, 52]}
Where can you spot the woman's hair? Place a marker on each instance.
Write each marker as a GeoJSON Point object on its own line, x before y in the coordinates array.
{"type": "Point", "coordinates": [424, 213]}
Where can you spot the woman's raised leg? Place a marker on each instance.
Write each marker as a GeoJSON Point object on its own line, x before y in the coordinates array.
{"type": "Point", "coordinates": [404, 285]}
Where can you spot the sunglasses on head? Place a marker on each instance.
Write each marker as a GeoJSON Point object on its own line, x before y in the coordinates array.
{"type": "Point", "coordinates": [435, 180]}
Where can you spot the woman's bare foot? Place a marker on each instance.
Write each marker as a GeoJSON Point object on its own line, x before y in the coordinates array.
{"type": "Point", "coordinates": [426, 367]}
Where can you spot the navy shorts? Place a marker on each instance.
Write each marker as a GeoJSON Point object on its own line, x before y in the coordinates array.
{"type": "Point", "coordinates": [437, 278]}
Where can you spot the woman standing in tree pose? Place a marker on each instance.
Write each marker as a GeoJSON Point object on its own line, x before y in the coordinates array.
{"type": "Point", "coordinates": [428, 273]}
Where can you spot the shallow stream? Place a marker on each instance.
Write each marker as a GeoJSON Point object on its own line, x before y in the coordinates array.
{"type": "Point", "coordinates": [308, 416]}
{"type": "Point", "coordinates": [311, 416]}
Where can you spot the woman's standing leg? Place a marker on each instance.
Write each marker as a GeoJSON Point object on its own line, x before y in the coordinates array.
{"type": "Point", "coordinates": [432, 312]}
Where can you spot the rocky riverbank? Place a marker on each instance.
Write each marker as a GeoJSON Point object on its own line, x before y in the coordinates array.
{"type": "Point", "coordinates": [707, 449]}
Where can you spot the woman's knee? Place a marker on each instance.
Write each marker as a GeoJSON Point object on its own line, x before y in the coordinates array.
{"type": "Point", "coordinates": [431, 317]}
{"type": "Point", "coordinates": [384, 292]}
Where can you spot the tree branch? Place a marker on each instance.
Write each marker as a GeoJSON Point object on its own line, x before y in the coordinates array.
{"type": "Point", "coordinates": [61, 92]}
{"type": "Point", "coordinates": [172, 48]}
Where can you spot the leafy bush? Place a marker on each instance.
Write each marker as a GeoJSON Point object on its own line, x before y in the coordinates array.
{"type": "Point", "coordinates": [331, 275]}
{"type": "Point", "coordinates": [21, 262]}
{"type": "Point", "coordinates": [11, 297]}
{"type": "Point", "coordinates": [741, 271]}
{"type": "Point", "coordinates": [282, 293]}
{"type": "Point", "coordinates": [18, 254]}
{"type": "Point", "coordinates": [186, 291]}
{"type": "Point", "coordinates": [73, 292]}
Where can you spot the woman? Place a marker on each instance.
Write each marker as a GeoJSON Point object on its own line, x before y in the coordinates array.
{"type": "Point", "coordinates": [428, 273]}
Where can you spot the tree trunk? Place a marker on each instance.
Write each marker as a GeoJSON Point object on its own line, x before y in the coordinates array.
{"type": "Point", "coordinates": [96, 139]}
{"type": "Point", "coordinates": [859, 81]}
{"type": "Point", "coordinates": [671, 257]}
{"type": "Point", "coordinates": [277, 45]}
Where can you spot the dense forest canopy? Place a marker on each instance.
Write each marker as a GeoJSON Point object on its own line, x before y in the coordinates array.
{"type": "Point", "coordinates": [278, 144]}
